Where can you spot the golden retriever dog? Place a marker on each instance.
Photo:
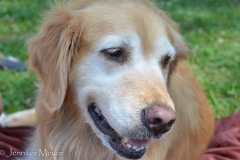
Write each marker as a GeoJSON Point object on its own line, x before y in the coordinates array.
{"type": "Point", "coordinates": [113, 86]}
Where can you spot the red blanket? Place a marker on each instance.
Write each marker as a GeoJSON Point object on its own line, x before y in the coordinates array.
{"type": "Point", "coordinates": [13, 140]}
{"type": "Point", "coordinates": [225, 144]}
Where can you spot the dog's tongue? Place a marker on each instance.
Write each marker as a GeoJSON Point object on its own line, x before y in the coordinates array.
{"type": "Point", "coordinates": [139, 142]}
{"type": "Point", "coordinates": [135, 144]}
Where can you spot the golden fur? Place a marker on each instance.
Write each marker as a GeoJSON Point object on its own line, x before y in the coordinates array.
{"type": "Point", "coordinates": [69, 32]}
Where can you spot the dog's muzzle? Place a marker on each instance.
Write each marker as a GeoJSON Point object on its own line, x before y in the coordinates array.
{"type": "Point", "coordinates": [133, 148]}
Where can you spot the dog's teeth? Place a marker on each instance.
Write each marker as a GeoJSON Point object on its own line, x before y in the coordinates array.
{"type": "Point", "coordinates": [125, 139]}
{"type": "Point", "coordinates": [134, 147]}
{"type": "Point", "coordinates": [98, 111]}
{"type": "Point", "coordinates": [142, 148]}
{"type": "Point", "coordinates": [138, 149]}
{"type": "Point", "coordinates": [129, 146]}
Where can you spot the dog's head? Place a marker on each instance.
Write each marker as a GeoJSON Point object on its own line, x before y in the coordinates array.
{"type": "Point", "coordinates": [117, 56]}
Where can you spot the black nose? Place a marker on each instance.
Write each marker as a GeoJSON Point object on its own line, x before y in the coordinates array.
{"type": "Point", "coordinates": [159, 118]}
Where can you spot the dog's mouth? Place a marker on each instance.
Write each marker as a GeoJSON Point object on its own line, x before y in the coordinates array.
{"type": "Point", "coordinates": [124, 146]}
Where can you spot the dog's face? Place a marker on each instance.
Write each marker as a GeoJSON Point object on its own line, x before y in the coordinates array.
{"type": "Point", "coordinates": [117, 57]}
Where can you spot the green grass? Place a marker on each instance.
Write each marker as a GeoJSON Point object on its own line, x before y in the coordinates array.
{"type": "Point", "coordinates": [19, 20]}
{"type": "Point", "coordinates": [211, 27]}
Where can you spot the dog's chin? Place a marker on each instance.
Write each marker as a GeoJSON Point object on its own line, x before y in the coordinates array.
{"type": "Point", "coordinates": [130, 148]}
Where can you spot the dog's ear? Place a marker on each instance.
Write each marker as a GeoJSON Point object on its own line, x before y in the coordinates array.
{"type": "Point", "coordinates": [177, 41]}
{"type": "Point", "coordinates": [175, 37]}
{"type": "Point", "coordinates": [50, 55]}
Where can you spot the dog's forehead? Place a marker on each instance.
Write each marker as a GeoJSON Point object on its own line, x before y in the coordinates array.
{"type": "Point", "coordinates": [124, 23]}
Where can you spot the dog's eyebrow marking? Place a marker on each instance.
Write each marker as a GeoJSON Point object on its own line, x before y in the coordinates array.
{"type": "Point", "coordinates": [162, 47]}
{"type": "Point", "coordinates": [129, 41]}
{"type": "Point", "coordinates": [112, 41]}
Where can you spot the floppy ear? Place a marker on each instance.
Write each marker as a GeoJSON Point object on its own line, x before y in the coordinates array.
{"type": "Point", "coordinates": [50, 55]}
{"type": "Point", "coordinates": [178, 42]}
{"type": "Point", "coordinates": [176, 39]}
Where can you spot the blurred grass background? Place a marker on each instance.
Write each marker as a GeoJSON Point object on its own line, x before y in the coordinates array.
{"type": "Point", "coordinates": [211, 27]}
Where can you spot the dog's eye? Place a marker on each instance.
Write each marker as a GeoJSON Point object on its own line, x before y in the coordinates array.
{"type": "Point", "coordinates": [114, 54]}
{"type": "Point", "coordinates": [166, 61]}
